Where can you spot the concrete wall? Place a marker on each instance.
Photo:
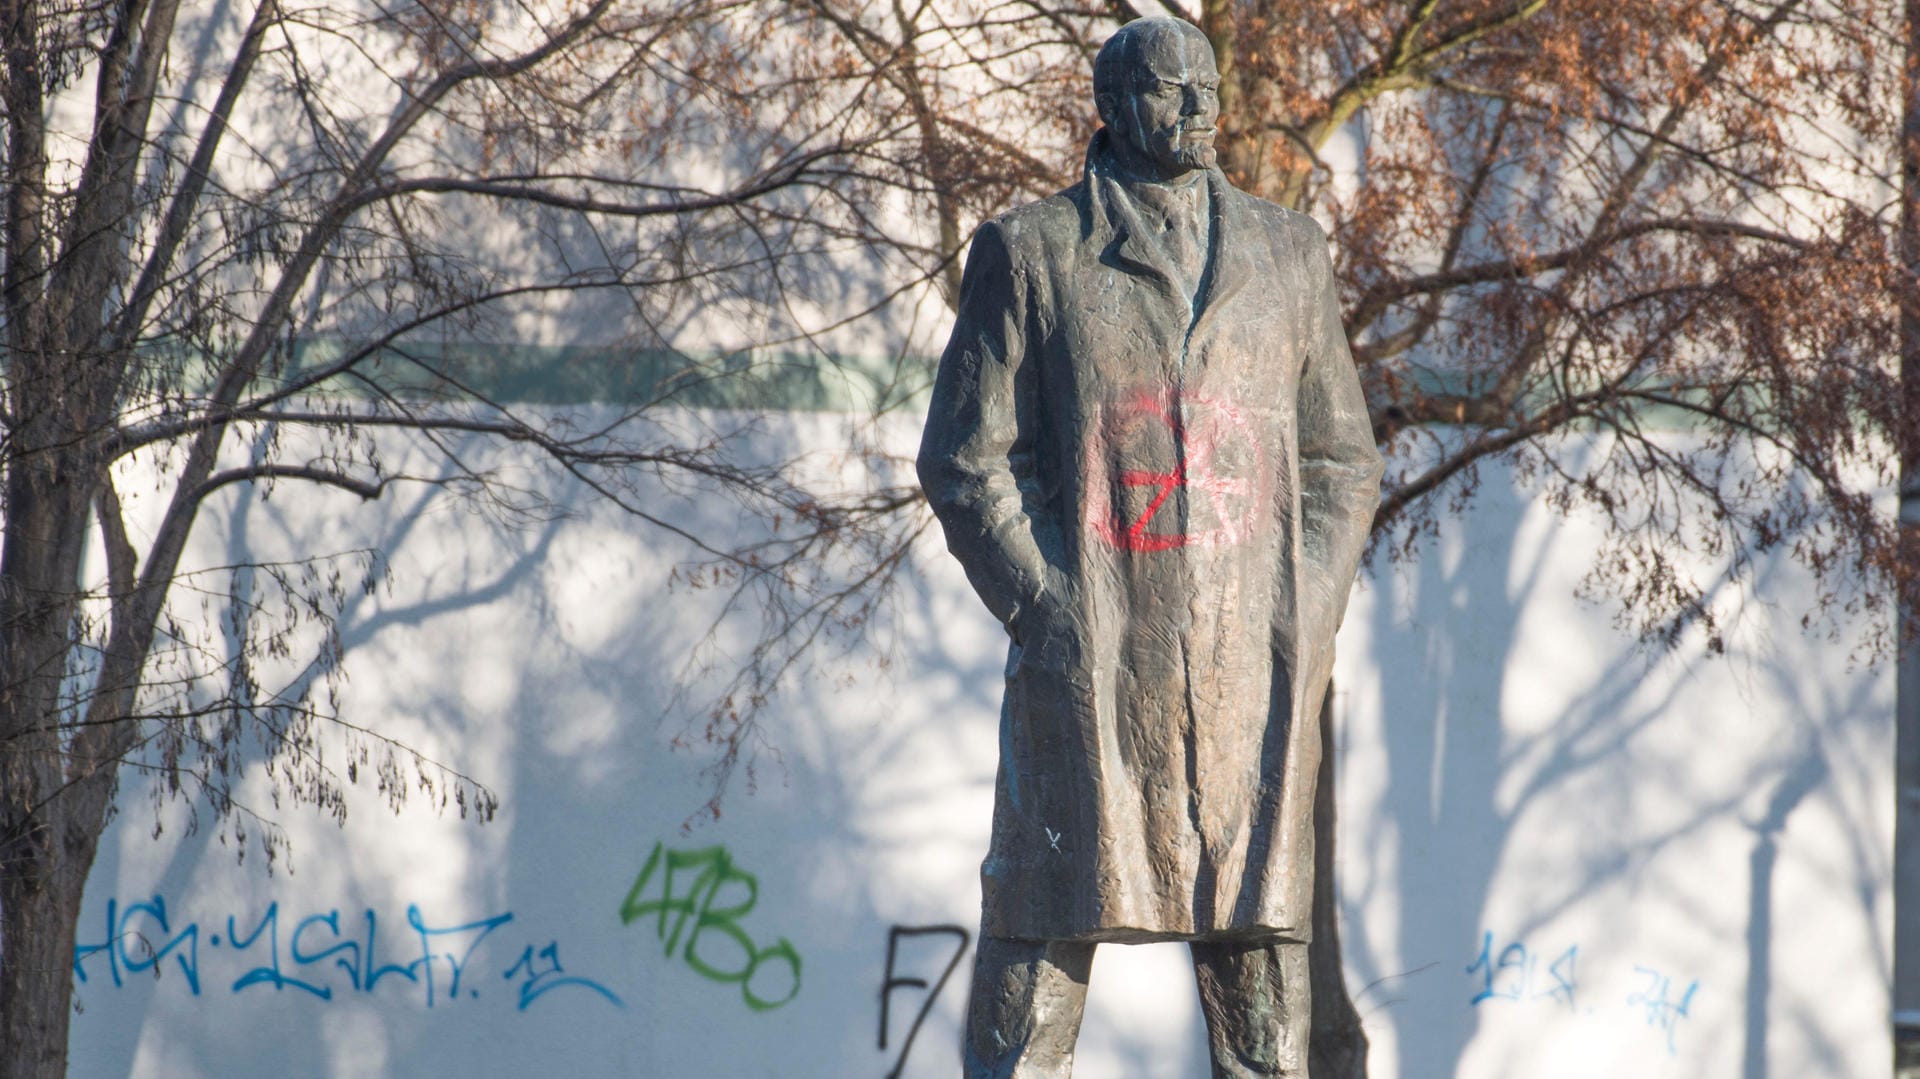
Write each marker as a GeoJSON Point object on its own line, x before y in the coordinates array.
{"type": "Point", "coordinates": [1560, 857]}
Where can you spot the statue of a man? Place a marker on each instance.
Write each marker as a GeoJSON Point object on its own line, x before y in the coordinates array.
{"type": "Point", "coordinates": [1149, 450]}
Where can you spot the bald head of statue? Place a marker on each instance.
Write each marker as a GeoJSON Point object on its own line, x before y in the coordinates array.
{"type": "Point", "coordinates": [1158, 93]}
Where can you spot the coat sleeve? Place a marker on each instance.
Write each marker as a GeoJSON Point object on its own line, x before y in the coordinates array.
{"type": "Point", "coordinates": [976, 460]}
{"type": "Point", "coordinates": [1340, 467]}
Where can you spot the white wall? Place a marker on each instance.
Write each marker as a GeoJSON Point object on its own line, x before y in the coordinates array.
{"type": "Point", "coordinates": [1560, 857]}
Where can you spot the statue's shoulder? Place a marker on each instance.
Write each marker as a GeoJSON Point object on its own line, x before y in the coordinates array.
{"type": "Point", "coordinates": [1289, 228]}
{"type": "Point", "coordinates": [1029, 230]}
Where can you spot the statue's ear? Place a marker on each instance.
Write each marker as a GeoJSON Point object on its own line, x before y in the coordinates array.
{"type": "Point", "coordinates": [1108, 106]}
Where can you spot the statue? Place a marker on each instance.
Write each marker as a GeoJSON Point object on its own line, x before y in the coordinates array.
{"type": "Point", "coordinates": [1149, 450]}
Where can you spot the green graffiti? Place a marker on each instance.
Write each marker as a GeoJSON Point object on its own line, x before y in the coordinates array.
{"type": "Point", "coordinates": [701, 905]}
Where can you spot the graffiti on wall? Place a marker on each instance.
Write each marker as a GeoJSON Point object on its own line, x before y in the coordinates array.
{"type": "Point", "coordinates": [680, 891]}
{"type": "Point", "coordinates": [891, 979]}
{"type": "Point", "coordinates": [1516, 974]}
{"type": "Point", "coordinates": [319, 955]}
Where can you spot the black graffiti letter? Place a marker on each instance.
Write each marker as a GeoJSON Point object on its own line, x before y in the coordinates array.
{"type": "Point", "coordinates": [891, 982]}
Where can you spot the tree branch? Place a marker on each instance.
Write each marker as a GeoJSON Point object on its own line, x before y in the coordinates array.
{"type": "Point", "coordinates": [1375, 301]}
{"type": "Point", "coordinates": [1401, 68]}
{"type": "Point", "coordinates": [186, 199]}
{"type": "Point", "coordinates": [122, 560]}
{"type": "Point", "coordinates": [1471, 33]}
{"type": "Point", "coordinates": [26, 181]}
{"type": "Point", "coordinates": [783, 176]}
{"type": "Point", "coordinates": [367, 490]}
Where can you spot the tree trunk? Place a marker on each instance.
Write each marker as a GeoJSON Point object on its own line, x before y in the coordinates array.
{"type": "Point", "coordinates": [1337, 1048]}
{"type": "Point", "coordinates": [41, 880]}
{"type": "Point", "coordinates": [43, 858]}
{"type": "Point", "coordinates": [1906, 820]}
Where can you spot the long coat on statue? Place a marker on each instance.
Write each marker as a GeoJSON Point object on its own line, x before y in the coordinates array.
{"type": "Point", "coordinates": [1164, 495]}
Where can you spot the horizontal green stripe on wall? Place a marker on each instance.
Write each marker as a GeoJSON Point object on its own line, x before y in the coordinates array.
{"type": "Point", "coordinates": [572, 375]}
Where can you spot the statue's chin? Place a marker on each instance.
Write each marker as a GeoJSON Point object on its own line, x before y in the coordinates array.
{"type": "Point", "coordinates": [1196, 155]}
{"type": "Point", "coordinates": [1166, 157]}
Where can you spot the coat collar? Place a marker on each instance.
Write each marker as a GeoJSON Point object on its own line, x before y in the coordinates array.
{"type": "Point", "coordinates": [1123, 242]}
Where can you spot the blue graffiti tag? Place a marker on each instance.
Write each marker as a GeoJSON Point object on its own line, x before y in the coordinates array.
{"type": "Point", "coordinates": [316, 956]}
{"type": "Point", "coordinates": [1513, 974]}
{"type": "Point", "coordinates": [540, 982]}
{"type": "Point", "coordinates": [1654, 998]}
{"type": "Point", "coordinates": [122, 931]}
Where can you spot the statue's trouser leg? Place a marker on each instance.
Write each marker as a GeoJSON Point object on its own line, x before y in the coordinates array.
{"type": "Point", "coordinates": [1255, 999]}
{"type": "Point", "coordinates": [1023, 1014]}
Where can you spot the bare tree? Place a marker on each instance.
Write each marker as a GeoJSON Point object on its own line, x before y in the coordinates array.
{"type": "Point", "coordinates": [255, 247]}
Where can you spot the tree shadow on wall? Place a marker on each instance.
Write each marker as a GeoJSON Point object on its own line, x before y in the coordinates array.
{"type": "Point", "coordinates": [193, 847]}
{"type": "Point", "coordinates": [1497, 825]}
{"type": "Point", "coordinates": [1441, 753]}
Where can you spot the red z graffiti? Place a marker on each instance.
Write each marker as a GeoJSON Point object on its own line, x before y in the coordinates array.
{"type": "Point", "coordinates": [1156, 445]}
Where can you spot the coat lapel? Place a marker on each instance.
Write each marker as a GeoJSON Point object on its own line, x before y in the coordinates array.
{"type": "Point", "coordinates": [1115, 228]}
{"type": "Point", "coordinates": [1130, 245]}
{"type": "Point", "coordinates": [1230, 265]}
{"type": "Point", "coordinates": [1126, 243]}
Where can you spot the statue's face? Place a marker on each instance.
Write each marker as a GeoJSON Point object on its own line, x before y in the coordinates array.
{"type": "Point", "coordinates": [1167, 116]}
